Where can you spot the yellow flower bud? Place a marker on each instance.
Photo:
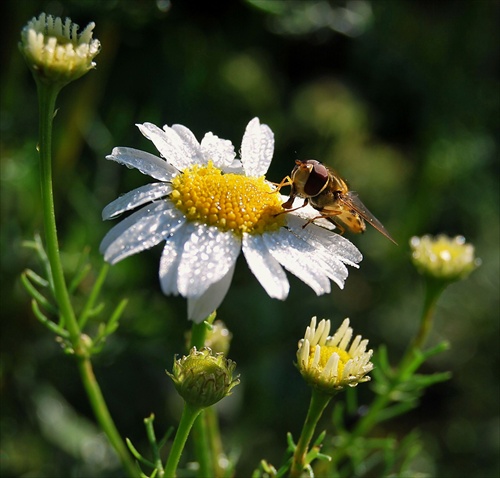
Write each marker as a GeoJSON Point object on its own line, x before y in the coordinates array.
{"type": "Point", "coordinates": [442, 257]}
{"type": "Point", "coordinates": [55, 52]}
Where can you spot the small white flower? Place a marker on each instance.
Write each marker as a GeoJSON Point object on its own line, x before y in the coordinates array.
{"type": "Point", "coordinates": [54, 50]}
{"type": "Point", "coordinates": [329, 363]}
{"type": "Point", "coordinates": [442, 257]}
{"type": "Point", "coordinates": [209, 206]}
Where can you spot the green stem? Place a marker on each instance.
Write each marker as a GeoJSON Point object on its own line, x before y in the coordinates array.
{"type": "Point", "coordinates": [103, 416]}
{"type": "Point", "coordinates": [212, 423]}
{"type": "Point", "coordinates": [201, 433]}
{"type": "Point", "coordinates": [319, 401]}
{"type": "Point", "coordinates": [154, 445]}
{"type": "Point", "coordinates": [201, 436]}
{"type": "Point", "coordinates": [47, 95]}
{"type": "Point", "coordinates": [199, 332]}
{"type": "Point", "coordinates": [188, 417]}
{"type": "Point", "coordinates": [433, 290]}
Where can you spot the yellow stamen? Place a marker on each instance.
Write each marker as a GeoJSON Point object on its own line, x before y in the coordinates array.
{"type": "Point", "coordinates": [326, 352]}
{"type": "Point", "coordinates": [232, 202]}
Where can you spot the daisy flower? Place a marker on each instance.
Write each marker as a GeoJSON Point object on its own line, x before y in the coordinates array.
{"type": "Point", "coordinates": [329, 363]}
{"type": "Point", "coordinates": [443, 257]}
{"type": "Point", "coordinates": [207, 206]}
{"type": "Point", "coordinates": [55, 51]}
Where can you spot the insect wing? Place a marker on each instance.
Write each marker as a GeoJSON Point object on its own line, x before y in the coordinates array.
{"type": "Point", "coordinates": [351, 200]}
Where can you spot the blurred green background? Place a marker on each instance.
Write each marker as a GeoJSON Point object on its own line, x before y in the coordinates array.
{"type": "Point", "coordinates": [399, 96]}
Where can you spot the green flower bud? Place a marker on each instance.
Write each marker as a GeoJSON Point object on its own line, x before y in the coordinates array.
{"type": "Point", "coordinates": [328, 363]}
{"type": "Point", "coordinates": [55, 52]}
{"type": "Point", "coordinates": [203, 378]}
{"type": "Point", "coordinates": [443, 258]}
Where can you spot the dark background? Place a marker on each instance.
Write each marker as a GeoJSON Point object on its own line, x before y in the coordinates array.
{"type": "Point", "coordinates": [399, 96]}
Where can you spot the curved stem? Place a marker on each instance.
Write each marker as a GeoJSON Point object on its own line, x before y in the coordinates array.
{"type": "Point", "coordinates": [319, 401]}
{"type": "Point", "coordinates": [189, 415]}
{"type": "Point", "coordinates": [103, 416]}
{"type": "Point", "coordinates": [47, 95]}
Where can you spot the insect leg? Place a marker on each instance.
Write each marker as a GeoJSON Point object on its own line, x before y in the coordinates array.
{"type": "Point", "coordinates": [328, 217]}
{"type": "Point", "coordinates": [289, 204]}
{"type": "Point", "coordinates": [287, 181]}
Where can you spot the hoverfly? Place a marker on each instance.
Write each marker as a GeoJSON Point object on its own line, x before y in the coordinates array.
{"type": "Point", "coordinates": [327, 192]}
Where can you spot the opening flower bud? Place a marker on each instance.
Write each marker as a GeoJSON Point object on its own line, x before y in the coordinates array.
{"type": "Point", "coordinates": [329, 363]}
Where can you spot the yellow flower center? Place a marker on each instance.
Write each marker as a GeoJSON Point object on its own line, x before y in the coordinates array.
{"type": "Point", "coordinates": [326, 352]}
{"type": "Point", "coordinates": [232, 202]}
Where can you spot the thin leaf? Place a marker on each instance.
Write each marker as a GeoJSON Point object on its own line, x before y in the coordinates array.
{"type": "Point", "coordinates": [137, 455]}
{"type": "Point", "coordinates": [319, 440]}
{"type": "Point", "coordinates": [396, 410]}
{"type": "Point", "coordinates": [80, 275]}
{"type": "Point", "coordinates": [82, 269]}
{"type": "Point", "coordinates": [36, 295]}
{"type": "Point", "coordinates": [34, 277]}
{"type": "Point", "coordinates": [290, 442]}
{"type": "Point", "coordinates": [150, 432]}
{"type": "Point", "coordinates": [48, 323]}
{"type": "Point", "coordinates": [94, 294]}
{"type": "Point", "coordinates": [40, 250]}
{"type": "Point", "coordinates": [115, 316]}
{"type": "Point", "coordinates": [166, 436]}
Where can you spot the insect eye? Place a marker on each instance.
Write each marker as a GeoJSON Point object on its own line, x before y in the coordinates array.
{"type": "Point", "coordinates": [316, 180]}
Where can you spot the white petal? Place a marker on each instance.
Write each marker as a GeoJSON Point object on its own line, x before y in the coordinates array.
{"type": "Point", "coordinates": [141, 230]}
{"type": "Point", "coordinates": [325, 330]}
{"type": "Point", "coordinates": [331, 369]}
{"type": "Point", "coordinates": [324, 239]}
{"type": "Point", "coordinates": [169, 144]}
{"type": "Point", "coordinates": [171, 257]}
{"type": "Point", "coordinates": [190, 143]}
{"type": "Point", "coordinates": [136, 198]}
{"type": "Point", "coordinates": [219, 151]}
{"type": "Point", "coordinates": [200, 308]}
{"type": "Point", "coordinates": [169, 264]}
{"type": "Point", "coordinates": [304, 353]}
{"type": "Point", "coordinates": [337, 336]}
{"type": "Point", "coordinates": [257, 148]}
{"type": "Point", "coordinates": [297, 256]}
{"type": "Point", "coordinates": [265, 267]}
{"type": "Point", "coordinates": [234, 168]}
{"type": "Point", "coordinates": [208, 255]}
{"type": "Point", "coordinates": [346, 339]}
{"type": "Point", "coordinates": [146, 163]}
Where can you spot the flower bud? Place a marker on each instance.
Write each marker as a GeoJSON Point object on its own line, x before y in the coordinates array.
{"type": "Point", "coordinates": [218, 338]}
{"type": "Point", "coordinates": [55, 52]}
{"type": "Point", "coordinates": [203, 378]}
{"type": "Point", "coordinates": [443, 258]}
{"type": "Point", "coordinates": [328, 363]}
